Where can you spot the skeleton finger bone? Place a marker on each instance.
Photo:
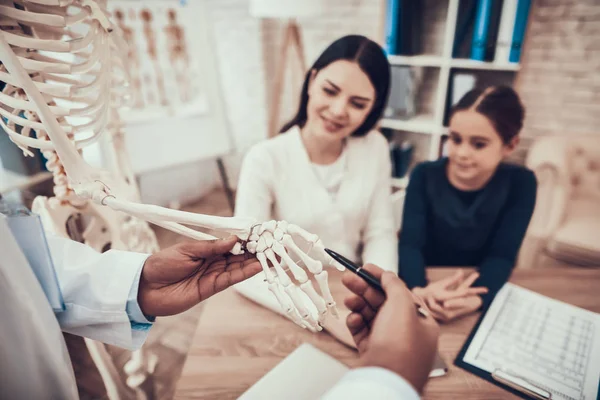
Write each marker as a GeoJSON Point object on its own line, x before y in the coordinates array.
{"type": "Point", "coordinates": [314, 267]}
{"type": "Point", "coordinates": [320, 275]}
{"type": "Point", "coordinates": [290, 289]}
{"type": "Point", "coordinates": [275, 288]}
{"type": "Point", "coordinates": [316, 243]}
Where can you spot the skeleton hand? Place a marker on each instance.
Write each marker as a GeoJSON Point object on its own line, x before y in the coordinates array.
{"type": "Point", "coordinates": [271, 241]}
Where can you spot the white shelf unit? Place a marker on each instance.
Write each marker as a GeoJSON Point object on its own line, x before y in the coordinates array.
{"type": "Point", "coordinates": [438, 62]}
{"type": "Point", "coordinates": [417, 61]}
{"type": "Point", "coordinates": [424, 124]}
{"type": "Point", "coordinates": [432, 124]}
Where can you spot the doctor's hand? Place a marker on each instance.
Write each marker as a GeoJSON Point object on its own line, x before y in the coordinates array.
{"type": "Point", "coordinates": [181, 276]}
{"type": "Point", "coordinates": [387, 329]}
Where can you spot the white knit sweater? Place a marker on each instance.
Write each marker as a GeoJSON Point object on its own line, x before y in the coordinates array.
{"type": "Point", "coordinates": [277, 181]}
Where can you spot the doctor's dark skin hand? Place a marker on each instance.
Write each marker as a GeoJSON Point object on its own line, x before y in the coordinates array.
{"type": "Point", "coordinates": [387, 329]}
{"type": "Point", "coordinates": [181, 276]}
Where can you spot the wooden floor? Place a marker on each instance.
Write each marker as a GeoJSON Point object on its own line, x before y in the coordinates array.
{"type": "Point", "coordinates": [169, 339]}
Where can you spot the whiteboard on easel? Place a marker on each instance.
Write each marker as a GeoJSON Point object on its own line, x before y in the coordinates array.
{"type": "Point", "coordinates": [177, 114]}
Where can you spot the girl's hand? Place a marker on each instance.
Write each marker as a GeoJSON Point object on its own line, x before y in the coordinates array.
{"type": "Point", "coordinates": [452, 297]}
{"type": "Point", "coordinates": [456, 308]}
{"type": "Point", "coordinates": [452, 287]}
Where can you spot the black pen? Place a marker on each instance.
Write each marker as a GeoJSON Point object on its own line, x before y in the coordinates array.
{"type": "Point", "coordinates": [367, 276]}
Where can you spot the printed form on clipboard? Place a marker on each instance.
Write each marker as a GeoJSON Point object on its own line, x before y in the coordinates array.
{"type": "Point", "coordinates": [539, 346]}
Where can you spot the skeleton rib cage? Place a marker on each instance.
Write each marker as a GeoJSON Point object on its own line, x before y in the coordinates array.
{"type": "Point", "coordinates": [62, 82]}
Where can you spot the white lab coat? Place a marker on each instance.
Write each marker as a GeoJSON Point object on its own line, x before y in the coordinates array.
{"type": "Point", "coordinates": [371, 383]}
{"type": "Point", "coordinates": [277, 181]}
{"type": "Point", "coordinates": [34, 362]}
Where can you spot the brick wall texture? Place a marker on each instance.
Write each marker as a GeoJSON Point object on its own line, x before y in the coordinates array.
{"type": "Point", "coordinates": [559, 80]}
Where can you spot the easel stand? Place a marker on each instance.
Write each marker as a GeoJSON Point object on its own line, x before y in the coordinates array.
{"type": "Point", "coordinates": [292, 38]}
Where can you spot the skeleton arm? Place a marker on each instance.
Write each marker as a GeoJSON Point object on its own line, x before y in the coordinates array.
{"type": "Point", "coordinates": [54, 88]}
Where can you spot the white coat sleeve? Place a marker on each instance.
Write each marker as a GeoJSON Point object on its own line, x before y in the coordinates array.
{"type": "Point", "coordinates": [95, 289]}
{"type": "Point", "coordinates": [254, 196]}
{"type": "Point", "coordinates": [379, 236]}
{"type": "Point", "coordinates": [371, 383]}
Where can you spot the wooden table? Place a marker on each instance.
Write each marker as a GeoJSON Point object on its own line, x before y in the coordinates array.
{"type": "Point", "coordinates": [237, 341]}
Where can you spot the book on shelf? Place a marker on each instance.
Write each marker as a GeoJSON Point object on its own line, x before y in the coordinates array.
{"type": "Point", "coordinates": [505, 31]}
{"type": "Point", "coordinates": [403, 27]}
{"type": "Point", "coordinates": [410, 27]}
{"type": "Point", "coordinates": [391, 25]}
{"type": "Point", "coordinates": [490, 30]}
{"type": "Point", "coordinates": [481, 27]}
{"type": "Point", "coordinates": [518, 36]}
{"type": "Point", "coordinates": [486, 30]}
{"type": "Point", "coordinates": [493, 27]}
{"type": "Point", "coordinates": [464, 28]}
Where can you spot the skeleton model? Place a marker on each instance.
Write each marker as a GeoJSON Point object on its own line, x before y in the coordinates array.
{"type": "Point", "coordinates": [65, 214]}
{"type": "Point", "coordinates": [58, 61]}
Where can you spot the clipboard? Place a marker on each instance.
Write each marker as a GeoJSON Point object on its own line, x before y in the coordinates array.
{"type": "Point", "coordinates": [513, 346]}
{"type": "Point", "coordinates": [515, 389]}
{"type": "Point", "coordinates": [28, 232]}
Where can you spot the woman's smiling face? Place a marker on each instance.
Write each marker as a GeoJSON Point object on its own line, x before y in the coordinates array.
{"type": "Point", "coordinates": [340, 98]}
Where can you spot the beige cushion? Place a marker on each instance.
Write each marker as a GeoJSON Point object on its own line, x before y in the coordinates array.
{"type": "Point", "coordinates": [577, 240]}
{"type": "Point", "coordinates": [584, 170]}
{"type": "Point", "coordinates": [568, 202]}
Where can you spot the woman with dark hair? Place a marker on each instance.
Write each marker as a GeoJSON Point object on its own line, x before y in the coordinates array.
{"type": "Point", "coordinates": [470, 208]}
{"type": "Point", "coordinates": [329, 170]}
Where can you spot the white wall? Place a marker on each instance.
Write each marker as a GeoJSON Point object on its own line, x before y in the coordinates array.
{"type": "Point", "coordinates": [247, 50]}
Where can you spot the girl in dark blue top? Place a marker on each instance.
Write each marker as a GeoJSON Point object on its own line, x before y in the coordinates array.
{"type": "Point", "coordinates": [470, 208]}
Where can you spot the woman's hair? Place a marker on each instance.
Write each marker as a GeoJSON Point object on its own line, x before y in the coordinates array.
{"type": "Point", "coordinates": [372, 61]}
{"type": "Point", "coordinates": [500, 104]}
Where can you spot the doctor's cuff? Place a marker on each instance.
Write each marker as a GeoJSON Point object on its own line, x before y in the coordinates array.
{"type": "Point", "coordinates": [138, 320]}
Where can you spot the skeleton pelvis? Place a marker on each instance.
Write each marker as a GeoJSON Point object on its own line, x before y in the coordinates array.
{"type": "Point", "coordinates": [94, 225]}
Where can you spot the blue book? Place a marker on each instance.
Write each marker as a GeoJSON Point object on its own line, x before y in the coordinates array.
{"type": "Point", "coordinates": [392, 21]}
{"type": "Point", "coordinates": [494, 26]}
{"type": "Point", "coordinates": [464, 28]}
{"type": "Point", "coordinates": [519, 30]}
{"type": "Point", "coordinates": [409, 30]}
{"type": "Point", "coordinates": [480, 33]}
